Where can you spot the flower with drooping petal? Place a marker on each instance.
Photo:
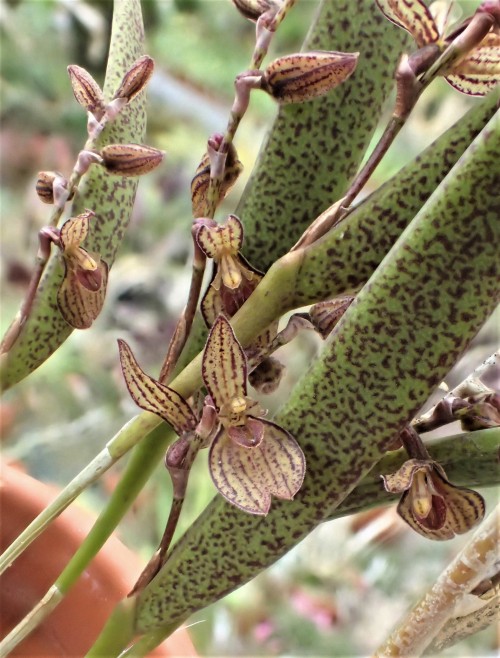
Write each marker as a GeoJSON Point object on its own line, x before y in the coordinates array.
{"type": "Point", "coordinates": [82, 291]}
{"type": "Point", "coordinates": [251, 459]}
{"type": "Point", "coordinates": [201, 179]}
{"type": "Point", "coordinates": [430, 504]}
{"type": "Point", "coordinates": [234, 279]}
{"type": "Point", "coordinates": [153, 396]}
{"type": "Point", "coordinates": [475, 74]}
{"type": "Point", "coordinates": [223, 242]}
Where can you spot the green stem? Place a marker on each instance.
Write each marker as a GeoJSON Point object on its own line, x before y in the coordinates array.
{"type": "Point", "coordinates": [133, 432]}
{"type": "Point", "coordinates": [42, 610]}
{"type": "Point", "coordinates": [137, 473]}
{"type": "Point", "coordinates": [116, 634]}
{"type": "Point", "coordinates": [146, 644]}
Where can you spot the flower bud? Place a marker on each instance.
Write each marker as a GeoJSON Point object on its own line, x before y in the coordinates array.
{"type": "Point", "coordinates": [130, 159]}
{"type": "Point", "coordinates": [252, 9]}
{"type": "Point", "coordinates": [86, 90]}
{"type": "Point", "coordinates": [50, 185]}
{"type": "Point", "coordinates": [325, 315]}
{"type": "Point", "coordinates": [303, 76]}
{"type": "Point", "coordinates": [201, 180]}
{"type": "Point", "coordinates": [136, 78]}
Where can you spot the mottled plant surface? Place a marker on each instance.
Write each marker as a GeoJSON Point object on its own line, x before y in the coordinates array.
{"type": "Point", "coordinates": [314, 149]}
{"type": "Point", "coordinates": [411, 321]}
{"type": "Point", "coordinates": [375, 373]}
{"type": "Point", "coordinates": [350, 253]}
{"type": "Point", "coordinates": [110, 197]}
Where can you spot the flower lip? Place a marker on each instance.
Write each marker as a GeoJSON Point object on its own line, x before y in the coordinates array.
{"type": "Point", "coordinates": [431, 504]}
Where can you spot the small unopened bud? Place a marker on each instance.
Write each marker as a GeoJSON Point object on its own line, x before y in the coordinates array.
{"type": "Point", "coordinates": [136, 78]}
{"type": "Point", "coordinates": [49, 185]}
{"type": "Point", "coordinates": [252, 9]}
{"type": "Point", "coordinates": [325, 315]}
{"type": "Point", "coordinates": [130, 159]}
{"type": "Point", "coordinates": [303, 76]}
{"type": "Point", "coordinates": [201, 179]}
{"type": "Point", "coordinates": [267, 375]}
{"type": "Point", "coordinates": [86, 90]}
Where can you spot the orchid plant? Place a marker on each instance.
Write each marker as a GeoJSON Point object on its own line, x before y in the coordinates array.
{"type": "Point", "coordinates": [397, 284]}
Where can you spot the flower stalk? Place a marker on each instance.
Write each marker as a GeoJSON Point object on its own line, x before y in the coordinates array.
{"type": "Point", "coordinates": [413, 76]}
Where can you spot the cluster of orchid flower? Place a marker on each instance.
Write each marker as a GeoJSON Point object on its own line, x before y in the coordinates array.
{"type": "Point", "coordinates": [250, 457]}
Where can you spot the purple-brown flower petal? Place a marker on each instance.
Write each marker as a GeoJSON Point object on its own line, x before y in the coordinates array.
{"type": "Point", "coordinates": [153, 396]}
{"type": "Point", "coordinates": [248, 477]}
{"type": "Point", "coordinates": [326, 315]}
{"type": "Point", "coordinates": [83, 289]}
{"type": "Point", "coordinates": [82, 292]}
{"type": "Point", "coordinates": [413, 16]}
{"type": "Point", "coordinates": [86, 90]}
{"type": "Point", "coordinates": [201, 180]}
{"type": "Point", "coordinates": [225, 300]}
{"type": "Point", "coordinates": [402, 479]}
{"type": "Point", "coordinates": [136, 78]}
{"type": "Point", "coordinates": [249, 435]}
{"type": "Point", "coordinates": [479, 71]}
{"type": "Point", "coordinates": [224, 238]}
{"type": "Point", "coordinates": [252, 9]}
{"type": "Point", "coordinates": [454, 511]}
{"type": "Point", "coordinates": [75, 230]}
{"type": "Point", "coordinates": [222, 243]}
{"type": "Point", "coordinates": [130, 159]}
{"type": "Point", "coordinates": [224, 368]}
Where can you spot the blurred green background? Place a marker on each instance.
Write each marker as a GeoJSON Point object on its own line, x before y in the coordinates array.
{"type": "Point", "coordinates": [342, 589]}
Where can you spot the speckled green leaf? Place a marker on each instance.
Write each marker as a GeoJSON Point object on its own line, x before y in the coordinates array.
{"type": "Point", "coordinates": [408, 325]}
{"type": "Point", "coordinates": [110, 197]}
{"type": "Point", "coordinates": [315, 148]}
{"type": "Point", "coordinates": [352, 251]}
{"type": "Point", "coordinates": [346, 257]}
